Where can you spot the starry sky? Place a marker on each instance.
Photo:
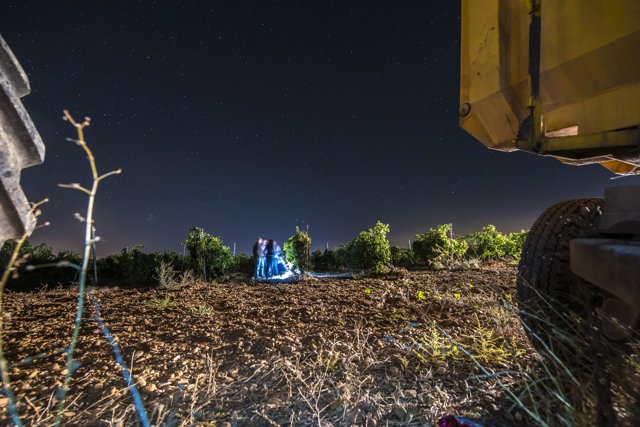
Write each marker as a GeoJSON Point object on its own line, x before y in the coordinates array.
{"type": "Point", "coordinates": [248, 118]}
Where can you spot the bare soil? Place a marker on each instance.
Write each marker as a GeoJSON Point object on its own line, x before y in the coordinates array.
{"type": "Point", "coordinates": [366, 351]}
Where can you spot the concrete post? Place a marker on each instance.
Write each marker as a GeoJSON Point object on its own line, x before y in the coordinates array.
{"type": "Point", "coordinates": [20, 147]}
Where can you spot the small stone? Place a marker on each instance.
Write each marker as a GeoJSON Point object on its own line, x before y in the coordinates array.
{"type": "Point", "coordinates": [150, 388]}
{"type": "Point", "coordinates": [273, 403]}
{"type": "Point", "coordinates": [371, 422]}
{"type": "Point", "coordinates": [138, 353]}
{"type": "Point", "coordinates": [33, 373]}
{"type": "Point", "coordinates": [68, 414]}
{"type": "Point", "coordinates": [141, 382]}
{"type": "Point", "coordinates": [413, 410]}
{"type": "Point", "coordinates": [399, 411]}
{"type": "Point", "coordinates": [4, 401]}
{"type": "Point", "coordinates": [411, 393]}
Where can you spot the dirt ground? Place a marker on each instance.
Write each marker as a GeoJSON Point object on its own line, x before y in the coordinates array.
{"type": "Point", "coordinates": [385, 350]}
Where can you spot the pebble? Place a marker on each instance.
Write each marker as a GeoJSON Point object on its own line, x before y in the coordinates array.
{"type": "Point", "coordinates": [411, 393]}
{"type": "Point", "coordinates": [138, 353]}
{"type": "Point", "coordinates": [4, 401]}
{"type": "Point", "coordinates": [273, 403]}
{"type": "Point", "coordinates": [399, 411]}
{"type": "Point", "coordinates": [371, 422]}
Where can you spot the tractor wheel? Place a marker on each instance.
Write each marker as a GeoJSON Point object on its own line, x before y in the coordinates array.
{"type": "Point", "coordinates": [554, 302]}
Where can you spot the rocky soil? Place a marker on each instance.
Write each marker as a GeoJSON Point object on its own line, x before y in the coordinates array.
{"type": "Point", "coordinates": [384, 350]}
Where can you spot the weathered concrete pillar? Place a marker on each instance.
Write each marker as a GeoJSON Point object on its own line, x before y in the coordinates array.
{"type": "Point", "coordinates": [20, 147]}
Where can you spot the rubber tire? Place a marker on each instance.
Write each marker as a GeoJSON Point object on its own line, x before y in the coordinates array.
{"type": "Point", "coordinates": [550, 297]}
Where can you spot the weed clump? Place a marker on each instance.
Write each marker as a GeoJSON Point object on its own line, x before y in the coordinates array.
{"type": "Point", "coordinates": [170, 279]}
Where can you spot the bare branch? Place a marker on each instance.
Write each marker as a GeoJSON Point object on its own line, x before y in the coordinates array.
{"type": "Point", "coordinates": [115, 172]}
{"type": "Point", "coordinates": [75, 186]}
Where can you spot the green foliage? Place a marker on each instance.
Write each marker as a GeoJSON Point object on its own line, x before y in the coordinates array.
{"type": "Point", "coordinates": [369, 251]}
{"type": "Point", "coordinates": [491, 244]}
{"type": "Point", "coordinates": [326, 260]}
{"type": "Point", "coordinates": [130, 266]}
{"type": "Point", "coordinates": [162, 303]}
{"type": "Point", "coordinates": [402, 257]}
{"type": "Point", "coordinates": [242, 264]}
{"type": "Point", "coordinates": [200, 310]}
{"type": "Point", "coordinates": [433, 347]}
{"type": "Point", "coordinates": [208, 255]}
{"type": "Point", "coordinates": [296, 250]}
{"type": "Point", "coordinates": [179, 262]}
{"type": "Point", "coordinates": [515, 243]}
{"type": "Point", "coordinates": [438, 246]}
{"type": "Point", "coordinates": [38, 255]}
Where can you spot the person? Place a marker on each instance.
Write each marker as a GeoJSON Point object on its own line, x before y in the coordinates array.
{"type": "Point", "coordinates": [259, 256]}
{"type": "Point", "coordinates": [281, 266]}
{"type": "Point", "coordinates": [277, 254]}
{"type": "Point", "coordinates": [270, 257]}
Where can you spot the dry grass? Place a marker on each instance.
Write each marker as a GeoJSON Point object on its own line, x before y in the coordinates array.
{"type": "Point", "coordinates": [399, 349]}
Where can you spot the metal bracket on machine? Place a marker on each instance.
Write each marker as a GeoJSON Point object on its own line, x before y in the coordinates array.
{"type": "Point", "coordinates": [531, 136]}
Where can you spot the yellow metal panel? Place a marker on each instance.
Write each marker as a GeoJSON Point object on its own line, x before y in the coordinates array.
{"type": "Point", "coordinates": [492, 119]}
{"type": "Point", "coordinates": [590, 67]}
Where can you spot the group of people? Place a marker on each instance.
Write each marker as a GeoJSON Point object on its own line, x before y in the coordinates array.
{"type": "Point", "coordinates": [269, 259]}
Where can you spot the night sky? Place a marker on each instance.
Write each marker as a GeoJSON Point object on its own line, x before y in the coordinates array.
{"type": "Point", "coordinates": [249, 118]}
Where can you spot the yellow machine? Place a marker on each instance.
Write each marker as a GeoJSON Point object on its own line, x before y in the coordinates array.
{"type": "Point", "coordinates": [571, 91]}
{"type": "Point", "coordinates": [561, 78]}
